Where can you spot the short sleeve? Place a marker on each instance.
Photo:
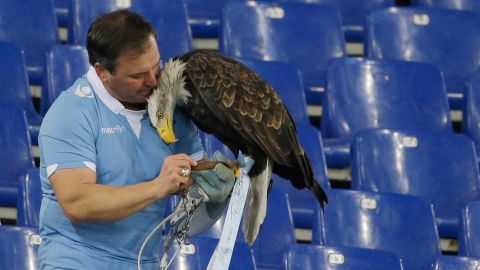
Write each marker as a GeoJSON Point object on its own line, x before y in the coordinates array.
{"type": "Point", "coordinates": [67, 135]}
{"type": "Point", "coordinates": [189, 140]}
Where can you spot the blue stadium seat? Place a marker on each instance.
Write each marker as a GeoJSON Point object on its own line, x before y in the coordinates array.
{"type": "Point", "coordinates": [288, 83]}
{"type": "Point", "coordinates": [471, 111]}
{"type": "Point", "coordinates": [383, 221]}
{"type": "Point", "coordinates": [469, 234]}
{"type": "Point", "coordinates": [276, 233]}
{"type": "Point", "coordinates": [31, 25]}
{"type": "Point", "coordinates": [62, 11]}
{"type": "Point", "coordinates": [302, 202]}
{"type": "Point", "coordinates": [65, 63]}
{"type": "Point", "coordinates": [168, 17]}
{"type": "Point", "coordinates": [312, 257]}
{"type": "Point", "coordinates": [443, 169]}
{"type": "Point", "coordinates": [82, 14]}
{"type": "Point", "coordinates": [19, 247]}
{"type": "Point", "coordinates": [204, 17]}
{"type": "Point", "coordinates": [457, 263]}
{"type": "Point", "coordinates": [242, 258]}
{"type": "Point", "coordinates": [17, 157]}
{"type": "Point", "coordinates": [354, 14]}
{"type": "Point", "coordinates": [366, 93]}
{"type": "Point", "coordinates": [15, 88]}
{"type": "Point", "coordinates": [431, 36]}
{"type": "Point", "coordinates": [466, 5]}
{"type": "Point", "coordinates": [304, 35]}
{"type": "Point", "coordinates": [29, 199]}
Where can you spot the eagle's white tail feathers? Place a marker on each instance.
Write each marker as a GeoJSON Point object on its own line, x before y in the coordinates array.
{"type": "Point", "coordinates": [256, 204]}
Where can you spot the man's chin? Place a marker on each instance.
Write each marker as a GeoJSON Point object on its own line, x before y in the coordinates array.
{"type": "Point", "coordinates": [141, 105]}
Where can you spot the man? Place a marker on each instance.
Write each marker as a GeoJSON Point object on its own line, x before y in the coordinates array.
{"type": "Point", "coordinates": [105, 172]}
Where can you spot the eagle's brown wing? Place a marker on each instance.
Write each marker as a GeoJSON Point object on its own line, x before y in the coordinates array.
{"type": "Point", "coordinates": [245, 111]}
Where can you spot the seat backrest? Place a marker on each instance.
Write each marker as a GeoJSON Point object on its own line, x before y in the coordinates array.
{"type": "Point", "coordinates": [84, 12]}
{"type": "Point", "coordinates": [471, 5]}
{"type": "Point", "coordinates": [471, 110]}
{"type": "Point", "coordinates": [204, 16]}
{"type": "Point", "coordinates": [366, 93]}
{"type": "Point", "coordinates": [29, 199]}
{"type": "Point", "coordinates": [65, 63]}
{"type": "Point", "coordinates": [441, 168]}
{"type": "Point", "coordinates": [311, 141]}
{"type": "Point", "coordinates": [62, 11]}
{"type": "Point", "coordinates": [169, 18]}
{"type": "Point", "coordinates": [14, 84]}
{"type": "Point", "coordinates": [457, 262]}
{"type": "Point", "coordinates": [276, 233]}
{"type": "Point", "coordinates": [304, 35]}
{"type": "Point", "coordinates": [469, 235]}
{"type": "Point", "coordinates": [288, 83]}
{"type": "Point", "coordinates": [428, 35]}
{"type": "Point", "coordinates": [32, 26]}
{"type": "Point", "coordinates": [17, 155]}
{"type": "Point", "coordinates": [242, 257]}
{"type": "Point", "coordinates": [383, 221]}
{"type": "Point", "coordinates": [302, 201]}
{"type": "Point", "coordinates": [312, 257]}
{"type": "Point", "coordinates": [19, 247]}
{"type": "Point", "coordinates": [354, 14]}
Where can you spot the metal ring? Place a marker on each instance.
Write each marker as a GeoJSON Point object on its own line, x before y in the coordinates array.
{"type": "Point", "coordinates": [184, 172]}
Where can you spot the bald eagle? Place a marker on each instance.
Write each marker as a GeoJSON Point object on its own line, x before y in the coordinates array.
{"type": "Point", "coordinates": [227, 99]}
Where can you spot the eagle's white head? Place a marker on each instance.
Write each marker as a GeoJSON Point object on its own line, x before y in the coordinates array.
{"type": "Point", "coordinates": [169, 92]}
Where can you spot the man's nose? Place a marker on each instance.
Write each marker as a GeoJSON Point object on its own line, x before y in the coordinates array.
{"type": "Point", "coordinates": [151, 79]}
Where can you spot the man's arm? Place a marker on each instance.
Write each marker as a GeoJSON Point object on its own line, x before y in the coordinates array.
{"type": "Point", "coordinates": [83, 200]}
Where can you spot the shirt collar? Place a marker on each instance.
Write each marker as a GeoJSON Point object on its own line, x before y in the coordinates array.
{"type": "Point", "coordinates": [112, 103]}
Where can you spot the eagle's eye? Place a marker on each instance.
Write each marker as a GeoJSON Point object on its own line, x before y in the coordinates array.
{"type": "Point", "coordinates": [160, 115]}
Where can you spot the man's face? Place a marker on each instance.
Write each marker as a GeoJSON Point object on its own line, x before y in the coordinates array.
{"type": "Point", "coordinates": [135, 76]}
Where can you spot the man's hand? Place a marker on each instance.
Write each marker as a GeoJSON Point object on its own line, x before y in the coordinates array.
{"type": "Point", "coordinates": [216, 183]}
{"type": "Point", "coordinates": [171, 180]}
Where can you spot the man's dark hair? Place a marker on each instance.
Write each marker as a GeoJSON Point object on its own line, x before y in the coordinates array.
{"type": "Point", "coordinates": [116, 32]}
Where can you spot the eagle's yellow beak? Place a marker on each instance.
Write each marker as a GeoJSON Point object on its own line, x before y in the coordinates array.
{"type": "Point", "coordinates": [165, 128]}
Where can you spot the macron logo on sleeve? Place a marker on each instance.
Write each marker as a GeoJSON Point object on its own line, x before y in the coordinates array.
{"type": "Point", "coordinates": [113, 130]}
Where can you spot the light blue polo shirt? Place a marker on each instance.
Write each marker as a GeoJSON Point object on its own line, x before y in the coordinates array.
{"type": "Point", "coordinates": [87, 127]}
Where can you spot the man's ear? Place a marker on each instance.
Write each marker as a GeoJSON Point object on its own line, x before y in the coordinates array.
{"type": "Point", "coordinates": [101, 72]}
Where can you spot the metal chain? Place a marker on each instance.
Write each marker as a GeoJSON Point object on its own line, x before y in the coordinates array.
{"type": "Point", "coordinates": [182, 234]}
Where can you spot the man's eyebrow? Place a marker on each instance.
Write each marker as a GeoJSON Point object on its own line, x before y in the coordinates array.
{"type": "Point", "coordinates": [158, 64]}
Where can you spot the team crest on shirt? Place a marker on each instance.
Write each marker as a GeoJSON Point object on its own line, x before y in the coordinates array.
{"type": "Point", "coordinates": [84, 91]}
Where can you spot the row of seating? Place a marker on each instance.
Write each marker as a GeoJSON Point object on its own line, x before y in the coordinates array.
{"type": "Point", "coordinates": [403, 225]}
{"type": "Point", "coordinates": [358, 219]}
{"type": "Point", "coordinates": [307, 35]}
{"type": "Point", "coordinates": [420, 99]}
{"type": "Point", "coordinates": [395, 95]}
{"type": "Point", "coordinates": [204, 16]}
{"type": "Point", "coordinates": [21, 244]}
{"type": "Point", "coordinates": [441, 168]}
{"type": "Point", "coordinates": [32, 26]}
{"type": "Point", "coordinates": [310, 257]}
